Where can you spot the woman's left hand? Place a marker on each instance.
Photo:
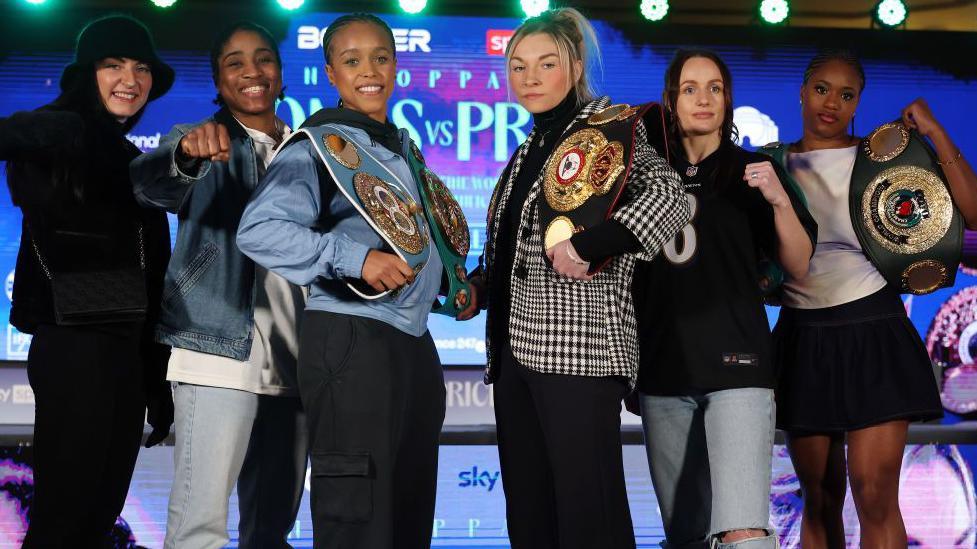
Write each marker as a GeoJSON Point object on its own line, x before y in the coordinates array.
{"type": "Point", "coordinates": [762, 176]}
{"type": "Point", "coordinates": [568, 262]}
{"type": "Point", "coordinates": [917, 115]}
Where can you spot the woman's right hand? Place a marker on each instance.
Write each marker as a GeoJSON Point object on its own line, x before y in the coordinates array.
{"type": "Point", "coordinates": [475, 287]}
{"type": "Point", "coordinates": [208, 141]}
{"type": "Point", "coordinates": [384, 271]}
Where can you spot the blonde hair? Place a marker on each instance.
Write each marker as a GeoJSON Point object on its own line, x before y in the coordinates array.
{"type": "Point", "coordinates": [575, 41]}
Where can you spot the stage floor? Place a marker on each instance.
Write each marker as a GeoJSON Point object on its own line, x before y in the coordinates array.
{"type": "Point", "coordinates": [937, 498]}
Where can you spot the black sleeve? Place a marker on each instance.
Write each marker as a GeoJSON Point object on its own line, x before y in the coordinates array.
{"type": "Point", "coordinates": [762, 212]}
{"type": "Point", "coordinates": [41, 135]}
{"type": "Point", "coordinates": [607, 239]}
{"type": "Point", "coordinates": [797, 201]}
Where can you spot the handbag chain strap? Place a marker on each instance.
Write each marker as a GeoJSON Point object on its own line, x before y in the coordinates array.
{"type": "Point", "coordinates": [47, 271]}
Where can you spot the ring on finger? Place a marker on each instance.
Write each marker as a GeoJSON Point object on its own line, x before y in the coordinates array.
{"type": "Point", "coordinates": [754, 175]}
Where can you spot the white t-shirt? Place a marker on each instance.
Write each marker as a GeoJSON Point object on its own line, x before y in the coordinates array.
{"type": "Point", "coordinates": [270, 368]}
{"type": "Point", "coordinates": [839, 272]}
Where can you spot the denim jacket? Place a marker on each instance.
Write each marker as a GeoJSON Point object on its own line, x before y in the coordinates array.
{"type": "Point", "coordinates": [209, 292]}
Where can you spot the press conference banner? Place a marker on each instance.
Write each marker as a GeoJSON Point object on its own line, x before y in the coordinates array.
{"type": "Point", "coordinates": [452, 97]}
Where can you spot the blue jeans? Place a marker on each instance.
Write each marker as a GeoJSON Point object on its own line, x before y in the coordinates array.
{"type": "Point", "coordinates": [710, 457]}
{"type": "Point", "coordinates": [226, 436]}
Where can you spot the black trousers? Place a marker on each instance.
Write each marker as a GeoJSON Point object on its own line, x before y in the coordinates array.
{"type": "Point", "coordinates": [88, 424]}
{"type": "Point", "coordinates": [560, 451]}
{"type": "Point", "coordinates": [375, 400]}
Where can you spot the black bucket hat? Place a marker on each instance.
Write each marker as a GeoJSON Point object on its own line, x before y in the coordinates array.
{"type": "Point", "coordinates": [117, 36]}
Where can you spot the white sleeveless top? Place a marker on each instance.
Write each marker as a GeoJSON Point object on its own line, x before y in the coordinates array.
{"type": "Point", "coordinates": [839, 272]}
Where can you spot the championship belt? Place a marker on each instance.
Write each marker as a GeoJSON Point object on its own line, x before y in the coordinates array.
{"type": "Point", "coordinates": [585, 174]}
{"type": "Point", "coordinates": [903, 213]}
{"type": "Point", "coordinates": [376, 193]}
{"type": "Point", "coordinates": [451, 238]}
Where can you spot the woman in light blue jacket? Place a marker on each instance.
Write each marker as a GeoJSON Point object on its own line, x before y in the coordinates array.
{"type": "Point", "coordinates": [338, 211]}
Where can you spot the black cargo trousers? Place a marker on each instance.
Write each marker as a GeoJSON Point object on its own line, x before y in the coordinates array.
{"type": "Point", "coordinates": [375, 401]}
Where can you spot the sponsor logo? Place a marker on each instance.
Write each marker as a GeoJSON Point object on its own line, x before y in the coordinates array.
{"type": "Point", "coordinates": [18, 343]}
{"type": "Point", "coordinates": [10, 286]}
{"type": "Point", "coordinates": [469, 394]}
{"type": "Point", "coordinates": [497, 40]}
{"type": "Point", "coordinates": [405, 40]}
{"type": "Point", "coordinates": [144, 142]}
{"type": "Point", "coordinates": [759, 128]}
{"type": "Point", "coordinates": [476, 344]}
{"type": "Point", "coordinates": [23, 394]}
{"type": "Point", "coordinates": [478, 479]}
{"type": "Point", "coordinates": [17, 394]}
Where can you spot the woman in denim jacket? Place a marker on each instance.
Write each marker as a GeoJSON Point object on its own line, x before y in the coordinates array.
{"type": "Point", "coordinates": [232, 324]}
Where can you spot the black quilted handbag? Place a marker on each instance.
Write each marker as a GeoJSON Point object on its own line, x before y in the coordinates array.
{"type": "Point", "coordinates": [98, 297]}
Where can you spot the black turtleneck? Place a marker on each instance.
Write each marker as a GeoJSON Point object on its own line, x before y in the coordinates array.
{"type": "Point", "coordinates": [549, 128]}
{"type": "Point", "coordinates": [607, 239]}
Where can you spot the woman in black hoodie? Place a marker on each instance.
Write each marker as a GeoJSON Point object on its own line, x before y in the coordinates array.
{"type": "Point", "coordinates": [88, 280]}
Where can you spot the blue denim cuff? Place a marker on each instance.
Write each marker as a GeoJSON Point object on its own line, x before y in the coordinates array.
{"type": "Point", "coordinates": [178, 169]}
{"type": "Point", "coordinates": [350, 256]}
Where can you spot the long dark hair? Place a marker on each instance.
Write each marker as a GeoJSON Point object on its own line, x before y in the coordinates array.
{"type": "Point", "coordinates": [82, 96]}
{"type": "Point", "coordinates": [673, 75]}
{"type": "Point", "coordinates": [728, 133]}
{"type": "Point", "coordinates": [224, 36]}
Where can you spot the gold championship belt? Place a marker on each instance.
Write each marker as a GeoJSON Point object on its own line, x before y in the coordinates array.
{"type": "Point", "coordinates": [384, 202]}
{"type": "Point", "coordinates": [452, 238]}
{"type": "Point", "coordinates": [903, 213]}
{"type": "Point", "coordinates": [586, 173]}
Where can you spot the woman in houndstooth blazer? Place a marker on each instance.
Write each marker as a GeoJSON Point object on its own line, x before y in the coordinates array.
{"type": "Point", "coordinates": [562, 342]}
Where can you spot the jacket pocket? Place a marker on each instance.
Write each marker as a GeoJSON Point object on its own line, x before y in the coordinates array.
{"type": "Point", "coordinates": [342, 482]}
{"type": "Point", "coordinates": [193, 271]}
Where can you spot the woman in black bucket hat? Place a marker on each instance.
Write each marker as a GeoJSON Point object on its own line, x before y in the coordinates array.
{"type": "Point", "coordinates": [88, 282]}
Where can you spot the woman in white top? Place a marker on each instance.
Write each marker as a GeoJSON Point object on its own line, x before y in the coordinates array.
{"type": "Point", "coordinates": [850, 361]}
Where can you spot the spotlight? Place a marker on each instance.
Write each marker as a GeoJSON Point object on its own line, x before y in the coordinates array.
{"type": "Point", "coordinates": [413, 6]}
{"type": "Point", "coordinates": [532, 8]}
{"type": "Point", "coordinates": [654, 10]}
{"type": "Point", "coordinates": [163, 3]}
{"type": "Point", "coordinates": [35, 2]}
{"type": "Point", "coordinates": [774, 12]}
{"type": "Point", "coordinates": [891, 13]}
{"type": "Point", "coordinates": [291, 4]}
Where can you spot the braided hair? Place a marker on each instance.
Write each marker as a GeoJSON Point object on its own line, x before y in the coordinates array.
{"type": "Point", "coordinates": [224, 36]}
{"type": "Point", "coordinates": [845, 56]}
{"type": "Point", "coordinates": [358, 17]}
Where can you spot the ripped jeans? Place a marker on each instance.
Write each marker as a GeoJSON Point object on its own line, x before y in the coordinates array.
{"type": "Point", "coordinates": [375, 400]}
{"type": "Point", "coordinates": [710, 457]}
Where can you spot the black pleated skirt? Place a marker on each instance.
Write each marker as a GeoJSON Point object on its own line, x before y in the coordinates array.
{"type": "Point", "coordinates": [852, 366]}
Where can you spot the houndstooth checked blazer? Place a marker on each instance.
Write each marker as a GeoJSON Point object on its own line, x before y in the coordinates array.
{"type": "Point", "coordinates": [564, 326]}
